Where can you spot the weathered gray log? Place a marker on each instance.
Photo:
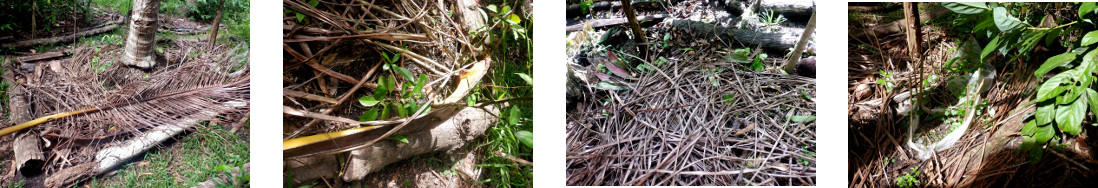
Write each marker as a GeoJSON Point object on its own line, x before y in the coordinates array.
{"type": "Point", "coordinates": [459, 130]}
{"type": "Point", "coordinates": [39, 57]}
{"type": "Point", "coordinates": [776, 41]}
{"type": "Point", "coordinates": [897, 26]}
{"type": "Point", "coordinates": [789, 8]}
{"type": "Point", "coordinates": [603, 23]}
{"type": "Point", "coordinates": [61, 39]}
{"type": "Point", "coordinates": [576, 10]}
{"type": "Point", "coordinates": [28, 151]}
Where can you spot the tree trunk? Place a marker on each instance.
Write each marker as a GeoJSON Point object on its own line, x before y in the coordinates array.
{"type": "Point", "coordinates": [217, 22]}
{"type": "Point", "coordinates": [141, 39]}
{"type": "Point", "coordinates": [796, 57]}
{"type": "Point", "coordinates": [638, 33]}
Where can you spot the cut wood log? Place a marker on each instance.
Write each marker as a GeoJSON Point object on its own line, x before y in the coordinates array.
{"type": "Point", "coordinates": [40, 56]}
{"type": "Point", "coordinates": [28, 152]}
{"type": "Point", "coordinates": [604, 23]}
{"type": "Point", "coordinates": [62, 39]}
{"type": "Point", "coordinates": [453, 133]}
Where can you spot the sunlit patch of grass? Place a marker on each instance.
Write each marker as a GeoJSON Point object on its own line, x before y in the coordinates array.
{"type": "Point", "coordinates": [195, 158]}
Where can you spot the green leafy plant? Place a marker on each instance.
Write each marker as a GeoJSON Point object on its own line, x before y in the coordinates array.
{"type": "Point", "coordinates": [886, 80]}
{"type": "Point", "coordinates": [1063, 99]}
{"type": "Point", "coordinates": [769, 18]}
{"type": "Point", "coordinates": [908, 179]}
{"type": "Point", "coordinates": [744, 55]}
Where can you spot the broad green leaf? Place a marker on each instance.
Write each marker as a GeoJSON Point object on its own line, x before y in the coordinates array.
{"type": "Point", "coordinates": [1029, 128]}
{"type": "Point", "coordinates": [1005, 21]}
{"type": "Point", "coordinates": [966, 7]}
{"type": "Point", "coordinates": [399, 138]}
{"type": "Point", "coordinates": [314, 3]}
{"type": "Point", "coordinates": [1028, 142]}
{"type": "Point", "coordinates": [1045, 113]}
{"type": "Point", "coordinates": [300, 17]}
{"type": "Point", "coordinates": [1051, 88]}
{"type": "Point", "coordinates": [741, 55]}
{"type": "Point", "coordinates": [1092, 99]}
{"type": "Point", "coordinates": [1052, 36]}
{"type": "Point", "coordinates": [382, 88]}
{"type": "Point", "coordinates": [1088, 61]}
{"type": "Point", "coordinates": [407, 74]}
{"type": "Point", "coordinates": [492, 7]}
{"type": "Point", "coordinates": [609, 86]}
{"type": "Point", "coordinates": [368, 101]}
{"type": "Point", "coordinates": [1070, 117]}
{"type": "Point", "coordinates": [223, 168]}
{"type": "Point", "coordinates": [1086, 7]}
{"type": "Point", "coordinates": [1043, 134]}
{"type": "Point", "coordinates": [525, 77]}
{"type": "Point", "coordinates": [402, 110]}
{"type": "Point", "coordinates": [1071, 93]}
{"type": "Point", "coordinates": [1090, 38]}
{"type": "Point", "coordinates": [505, 9]}
{"type": "Point", "coordinates": [391, 82]}
{"type": "Point", "coordinates": [514, 19]}
{"type": "Point", "coordinates": [526, 137]}
{"type": "Point", "coordinates": [385, 112]}
{"type": "Point", "coordinates": [370, 115]}
{"type": "Point", "coordinates": [513, 119]}
{"type": "Point", "coordinates": [991, 46]}
{"type": "Point", "coordinates": [802, 118]}
{"type": "Point", "coordinates": [1053, 62]}
{"type": "Point", "coordinates": [420, 83]}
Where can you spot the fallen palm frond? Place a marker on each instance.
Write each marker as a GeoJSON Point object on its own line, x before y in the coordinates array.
{"type": "Point", "coordinates": [86, 106]}
{"type": "Point", "coordinates": [350, 139]}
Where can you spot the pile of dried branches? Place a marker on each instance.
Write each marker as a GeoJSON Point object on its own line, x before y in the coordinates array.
{"type": "Point", "coordinates": [683, 124]}
{"type": "Point", "coordinates": [211, 86]}
{"type": "Point", "coordinates": [335, 53]}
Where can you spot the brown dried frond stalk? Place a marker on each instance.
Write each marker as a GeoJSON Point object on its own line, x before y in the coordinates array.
{"type": "Point", "coordinates": [115, 98]}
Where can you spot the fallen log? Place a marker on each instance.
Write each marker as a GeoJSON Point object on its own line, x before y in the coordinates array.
{"type": "Point", "coordinates": [576, 10]}
{"type": "Point", "coordinates": [39, 57]}
{"type": "Point", "coordinates": [28, 151]}
{"type": "Point", "coordinates": [897, 26]}
{"type": "Point", "coordinates": [453, 133]}
{"type": "Point", "coordinates": [60, 39]}
{"type": "Point", "coordinates": [791, 9]}
{"type": "Point", "coordinates": [603, 23]}
{"type": "Point", "coordinates": [776, 41]}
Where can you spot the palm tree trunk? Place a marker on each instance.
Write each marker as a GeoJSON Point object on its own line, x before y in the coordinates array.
{"type": "Point", "coordinates": [141, 39]}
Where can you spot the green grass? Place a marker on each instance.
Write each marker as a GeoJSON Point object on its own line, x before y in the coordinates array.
{"type": "Point", "coordinates": [515, 120]}
{"type": "Point", "coordinates": [195, 158]}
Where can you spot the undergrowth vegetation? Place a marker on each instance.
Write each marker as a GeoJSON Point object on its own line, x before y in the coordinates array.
{"type": "Point", "coordinates": [207, 152]}
{"type": "Point", "coordinates": [510, 77]}
{"type": "Point", "coordinates": [1015, 30]}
